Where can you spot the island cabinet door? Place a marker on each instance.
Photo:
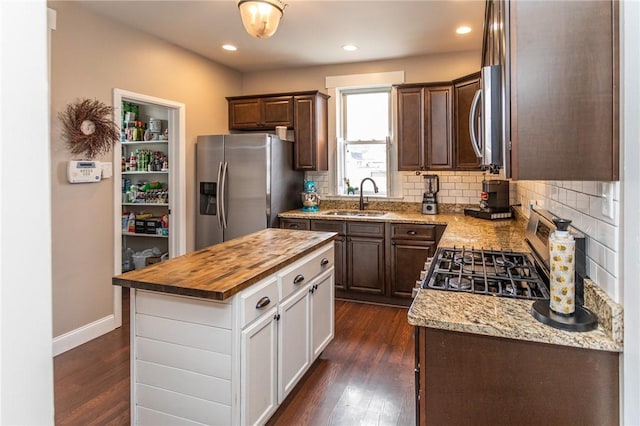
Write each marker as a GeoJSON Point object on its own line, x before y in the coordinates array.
{"type": "Point", "coordinates": [258, 369]}
{"type": "Point", "coordinates": [294, 343]}
{"type": "Point", "coordinates": [322, 313]}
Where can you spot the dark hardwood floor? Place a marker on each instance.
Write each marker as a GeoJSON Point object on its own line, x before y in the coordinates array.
{"type": "Point", "coordinates": [364, 377]}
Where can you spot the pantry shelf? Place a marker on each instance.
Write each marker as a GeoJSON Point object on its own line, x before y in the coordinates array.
{"type": "Point", "coordinates": [133, 234]}
{"type": "Point", "coordinates": [146, 204]}
{"type": "Point", "coordinates": [144, 172]}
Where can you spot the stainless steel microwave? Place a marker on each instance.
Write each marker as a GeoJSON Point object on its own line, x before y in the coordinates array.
{"type": "Point", "coordinates": [486, 120]}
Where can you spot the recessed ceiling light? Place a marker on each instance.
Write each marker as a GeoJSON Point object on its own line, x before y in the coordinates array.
{"type": "Point", "coordinates": [463, 30]}
{"type": "Point", "coordinates": [349, 47]}
{"type": "Point", "coordinates": [229, 47]}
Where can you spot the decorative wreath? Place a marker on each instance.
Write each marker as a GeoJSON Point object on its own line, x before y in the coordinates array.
{"type": "Point", "coordinates": [88, 127]}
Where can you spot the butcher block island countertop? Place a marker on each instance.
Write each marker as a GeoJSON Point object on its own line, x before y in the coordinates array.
{"type": "Point", "coordinates": [222, 270]}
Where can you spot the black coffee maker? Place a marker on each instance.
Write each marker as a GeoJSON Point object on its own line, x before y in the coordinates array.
{"type": "Point", "coordinates": [494, 201]}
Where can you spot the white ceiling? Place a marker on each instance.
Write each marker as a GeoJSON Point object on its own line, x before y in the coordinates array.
{"type": "Point", "coordinates": [311, 32]}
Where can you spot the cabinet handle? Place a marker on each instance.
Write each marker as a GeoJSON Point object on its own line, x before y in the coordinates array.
{"type": "Point", "coordinates": [294, 226]}
{"type": "Point", "coordinates": [276, 317]}
{"type": "Point", "coordinates": [412, 232]}
{"type": "Point", "coordinates": [263, 302]}
{"type": "Point", "coordinates": [324, 261]}
{"type": "Point", "coordinates": [311, 290]}
{"type": "Point", "coordinates": [298, 279]}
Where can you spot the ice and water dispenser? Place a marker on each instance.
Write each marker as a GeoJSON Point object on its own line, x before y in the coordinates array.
{"type": "Point", "coordinates": [208, 198]}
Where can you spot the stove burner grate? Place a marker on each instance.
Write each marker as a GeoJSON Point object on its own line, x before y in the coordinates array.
{"type": "Point", "coordinates": [498, 273]}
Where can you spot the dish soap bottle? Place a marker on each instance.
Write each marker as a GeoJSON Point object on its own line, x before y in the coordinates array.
{"type": "Point", "coordinates": [562, 248]}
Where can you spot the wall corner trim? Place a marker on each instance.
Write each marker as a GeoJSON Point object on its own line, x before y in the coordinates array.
{"type": "Point", "coordinates": [51, 18]}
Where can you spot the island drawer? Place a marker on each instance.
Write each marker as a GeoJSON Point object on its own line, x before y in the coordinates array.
{"type": "Point", "coordinates": [258, 299]}
{"type": "Point", "coordinates": [304, 270]}
{"type": "Point", "coordinates": [410, 231]}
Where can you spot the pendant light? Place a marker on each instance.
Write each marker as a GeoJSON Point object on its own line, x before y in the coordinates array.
{"type": "Point", "coordinates": [261, 17]}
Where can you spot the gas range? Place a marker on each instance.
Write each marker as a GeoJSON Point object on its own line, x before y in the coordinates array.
{"type": "Point", "coordinates": [490, 272]}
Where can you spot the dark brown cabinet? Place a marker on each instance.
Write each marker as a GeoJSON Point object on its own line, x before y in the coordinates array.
{"type": "Point", "coordinates": [376, 261]}
{"type": "Point", "coordinates": [311, 132]}
{"type": "Point", "coordinates": [296, 224]}
{"type": "Point", "coordinates": [464, 90]}
{"type": "Point", "coordinates": [260, 113]}
{"type": "Point", "coordinates": [410, 246]}
{"type": "Point", "coordinates": [564, 89]}
{"type": "Point", "coordinates": [425, 139]}
{"type": "Point", "coordinates": [365, 257]}
{"type": "Point", "coordinates": [464, 378]}
{"type": "Point", "coordinates": [304, 112]}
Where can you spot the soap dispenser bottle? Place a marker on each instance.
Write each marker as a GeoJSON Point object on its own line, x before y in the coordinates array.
{"type": "Point", "coordinates": [562, 287]}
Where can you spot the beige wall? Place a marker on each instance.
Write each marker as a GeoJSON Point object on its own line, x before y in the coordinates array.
{"type": "Point", "coordinates": [442, 67]}
{"type": "Point", "coordinates": [90, 57]}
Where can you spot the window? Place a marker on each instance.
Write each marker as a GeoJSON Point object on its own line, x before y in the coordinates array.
{"type": "Point", "coordinates": [364, 117]}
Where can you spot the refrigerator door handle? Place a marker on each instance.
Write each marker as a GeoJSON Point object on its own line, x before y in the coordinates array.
{"type": "Point", "coordinates": [224, 195]}
{"type": "Point", "coordinates": [219, 194]}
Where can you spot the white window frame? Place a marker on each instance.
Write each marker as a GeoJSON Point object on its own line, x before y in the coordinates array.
{"type": "Point", "coordinates": [343, 144]}
{"type": "Point", "coordinates": [333, 84]}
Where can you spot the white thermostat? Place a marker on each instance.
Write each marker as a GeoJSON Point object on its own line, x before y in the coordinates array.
{"type": "Point", "coordinates": [84, 171]}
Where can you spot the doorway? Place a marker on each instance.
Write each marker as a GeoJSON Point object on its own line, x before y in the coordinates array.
{"type": "Point", "coordinates": [149, 183]}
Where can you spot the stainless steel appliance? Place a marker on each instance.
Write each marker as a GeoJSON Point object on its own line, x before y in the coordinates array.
{"type": "Point", "coordinates": [513, 274]}
{"type": "Point", "coordinates": [244, 181]}
{"type": "Point", "coordinates": [486, 126]}
{"type": "Point", "coordinates": [430, 199]}
{"type": "Point", "coordinates": [494, 201]}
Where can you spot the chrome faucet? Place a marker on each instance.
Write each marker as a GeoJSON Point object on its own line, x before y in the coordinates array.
{"type": "Point", "coordinates": [375, 189]}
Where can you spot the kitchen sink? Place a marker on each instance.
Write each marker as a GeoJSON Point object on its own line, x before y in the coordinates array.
{"type": "Point", "coordinates": [357, 213]}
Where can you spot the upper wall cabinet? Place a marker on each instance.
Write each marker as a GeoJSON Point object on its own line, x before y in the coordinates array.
{"type": "Point", "coordinates": [254, 113]}
{"type": "Point", "coordinates": [562, 59]}
{"type": "Point", "coordinates": [304, 112]}
{"type": "Point", "coordinates": [425, 126]}
{"type": "Point", "coordinates": [311, 132]}
{"type": "Point", "coordinates": [463, 91]}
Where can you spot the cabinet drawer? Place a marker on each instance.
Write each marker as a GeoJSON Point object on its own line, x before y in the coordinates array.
{"type": "Point", "coordinates": [365, 229]}
{"type": "Point", "coordinates": [258, 299]}
{"type": "Point", "coordinates": [410, 231]}
{"type": "Point", "coordinates": [304, 270]}
{"type": "Point", "coordinates": [329, 226]}
{"type": "Point", "coordinates": [299, 224]}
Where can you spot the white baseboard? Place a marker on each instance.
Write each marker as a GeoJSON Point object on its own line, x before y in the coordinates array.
{"type": "Point", "coordinates": [83, 334]}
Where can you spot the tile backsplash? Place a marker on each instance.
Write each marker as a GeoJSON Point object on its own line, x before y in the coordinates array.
{"type": "Point", "coordinates": [582, 203]}
{"type": "Point", "coordinates": [455, 187]}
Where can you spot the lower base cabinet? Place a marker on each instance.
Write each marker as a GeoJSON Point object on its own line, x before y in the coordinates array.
{"type": "Point", "coordinates": [464, 378]}
{"type": "Point", "coordinates": [376, 261]}
{"type": "Point", "coordinates": [198, 361]}
{"type": "Point", "coordinates": [259, 372]}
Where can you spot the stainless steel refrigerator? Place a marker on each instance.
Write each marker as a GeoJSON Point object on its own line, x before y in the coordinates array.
{"type": "Point", "coordinates": [244, 181]}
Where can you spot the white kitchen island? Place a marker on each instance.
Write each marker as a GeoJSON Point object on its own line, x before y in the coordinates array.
{"type": "Point", "coordinates": [221, 336]}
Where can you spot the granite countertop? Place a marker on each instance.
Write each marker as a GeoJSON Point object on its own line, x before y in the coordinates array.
{"type": "Point", "coordinates": [492, 316]}
{"type": "Point", "coordinates": [222, 270]}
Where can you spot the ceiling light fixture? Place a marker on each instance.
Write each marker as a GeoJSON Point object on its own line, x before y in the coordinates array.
{"type": "Point", "coordinates": [349, 47]}
{"type": "Point", "coordinates": [463, 30]}
{"type": "Point", "coordinates": [261, 17]}
{"type": "Point", "coordinates": [229, 47]}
